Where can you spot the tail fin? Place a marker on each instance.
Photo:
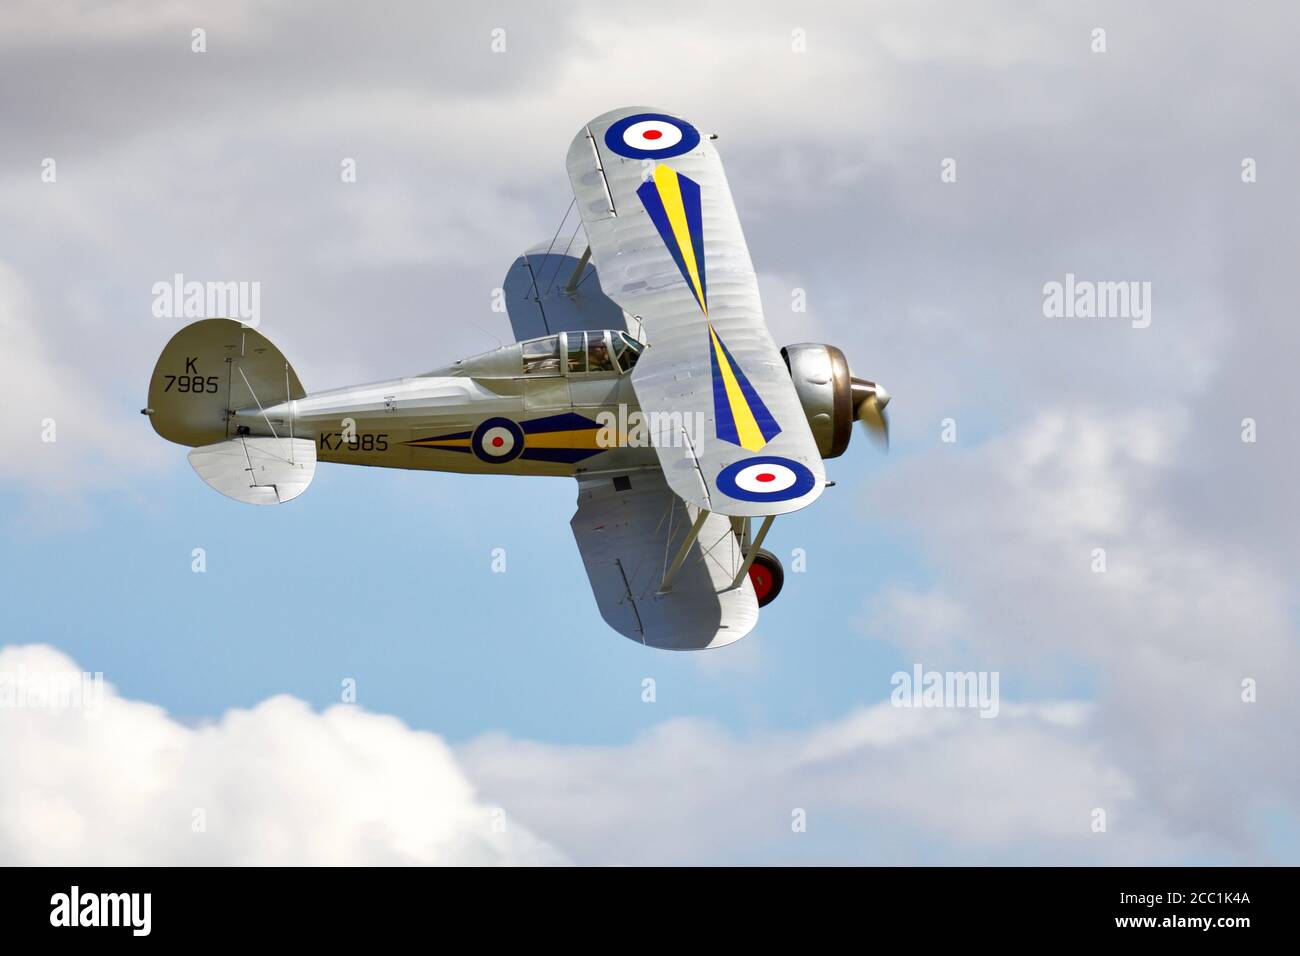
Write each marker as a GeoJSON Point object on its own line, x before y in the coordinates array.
{"type": "Point", "coordinates": [207, 371]}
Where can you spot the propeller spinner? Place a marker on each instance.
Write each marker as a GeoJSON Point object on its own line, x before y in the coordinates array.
{"type": "Point", "coordinates": [832, 397]}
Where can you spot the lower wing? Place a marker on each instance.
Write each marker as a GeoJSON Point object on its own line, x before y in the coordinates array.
{"type": "Point", "coordinates": [663, 573]}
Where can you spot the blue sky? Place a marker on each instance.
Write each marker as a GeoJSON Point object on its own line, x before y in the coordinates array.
{"type": "Point", "coordinates": [386, 577]}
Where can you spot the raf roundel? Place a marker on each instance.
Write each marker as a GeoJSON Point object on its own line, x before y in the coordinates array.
{"type": "Point", "coordinates": [497, 440]}
{"type": "Point", "coordinates": [765, 478]}
{"type": "Point", "coordinates": [651, 136]}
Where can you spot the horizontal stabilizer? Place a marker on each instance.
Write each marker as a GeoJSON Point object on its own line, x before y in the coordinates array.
{"type": "Point", "coordinates": [257, 469]}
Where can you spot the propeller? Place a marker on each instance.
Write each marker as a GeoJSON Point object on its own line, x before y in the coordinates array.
{"type": "Point", "coordinates": [869, 401]}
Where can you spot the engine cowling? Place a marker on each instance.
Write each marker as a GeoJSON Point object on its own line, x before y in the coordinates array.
{"type": "Point", "coordinates": [832, 398]}
{"type": "Point", "coordinates": [825, 388]}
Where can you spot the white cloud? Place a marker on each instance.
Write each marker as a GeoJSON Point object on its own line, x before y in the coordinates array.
{"type": "Point", "coordinates": [881, 785]}
{"type": "Point", "coordinates": [46, 395]}
{"type": "Point", "coordinates": [929, 619]}
{"type": "Point", "coordinates": [281, 784]}
{"type": "Point", "coordinates": [278, 784]}
{"type": "Point", "coordinates": [30, 21]}
{"type": "Point", "coordinates": [1164, 637]}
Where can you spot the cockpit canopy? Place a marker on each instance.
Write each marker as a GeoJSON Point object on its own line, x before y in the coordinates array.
{"type": "Point", "coordinates": [601, 352]}
{"type": "Point", "coordinates": [580, 353]}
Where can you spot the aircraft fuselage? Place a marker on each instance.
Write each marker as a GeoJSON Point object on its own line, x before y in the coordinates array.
{"type": "Point", "coordinates": [474, 417]}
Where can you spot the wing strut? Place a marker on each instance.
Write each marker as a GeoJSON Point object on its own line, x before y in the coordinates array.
{"type": "Point", "coordinates": [678, 561]}
{"type": "Point", "coordinates": [752, 548]}
{"type": "Point", "coordinates": [571, 286]}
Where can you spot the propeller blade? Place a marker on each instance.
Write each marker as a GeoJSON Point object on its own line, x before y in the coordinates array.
{"type": "Point", "coordinates": [873, 418]}
{"type": "Point", "coordinates": [869, 401]}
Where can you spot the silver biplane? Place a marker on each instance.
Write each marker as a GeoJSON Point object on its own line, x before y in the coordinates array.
{"type": "Point", "coordinates": [642, 368]}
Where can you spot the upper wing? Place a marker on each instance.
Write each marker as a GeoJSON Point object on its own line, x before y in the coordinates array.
{"type": "Point", "coordinates": [722, 412]}
{"type": "Point", "coordinates": [548, 290]}
{"type": "Point", "coordinates": [628, 539]}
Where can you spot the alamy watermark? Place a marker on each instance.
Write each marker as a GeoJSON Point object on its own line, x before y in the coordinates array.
{"type": "Point", "coordinates": [130, 910]}
{"type": "Point", "coordinates": [946, 689]}
{"type": "Point", "coordinates": [637, 429]}
{"type": "Point", "coordinates": [1085, 299]}
{"type": "Point", "coordinates": [178, 299]}
{"type": "Point", "coordinates": [57, 690]}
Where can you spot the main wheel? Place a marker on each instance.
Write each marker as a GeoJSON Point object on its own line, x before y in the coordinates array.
{"type": "Point", "coordinates": [767, 576]}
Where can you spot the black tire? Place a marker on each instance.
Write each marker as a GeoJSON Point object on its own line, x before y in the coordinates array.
{"type": "Point", "coordinates": [767, 576]}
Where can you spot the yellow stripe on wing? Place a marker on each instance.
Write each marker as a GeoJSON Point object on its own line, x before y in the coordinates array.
{"type": "Point", "coordinates": [670, 194]}
{"type": "Point", "coordinates": [747, 430]}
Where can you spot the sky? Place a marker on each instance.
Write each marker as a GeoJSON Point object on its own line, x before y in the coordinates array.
{"type": "Point", "coordinates": [350, 681]}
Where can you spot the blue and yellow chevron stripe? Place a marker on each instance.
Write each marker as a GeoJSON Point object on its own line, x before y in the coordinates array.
{"type": "Point", "coordinates": [567, 438]}
{"type": "Point", "coordinates": [741, 416]}
{"type": "Point", "coordinates": [673, 202]}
